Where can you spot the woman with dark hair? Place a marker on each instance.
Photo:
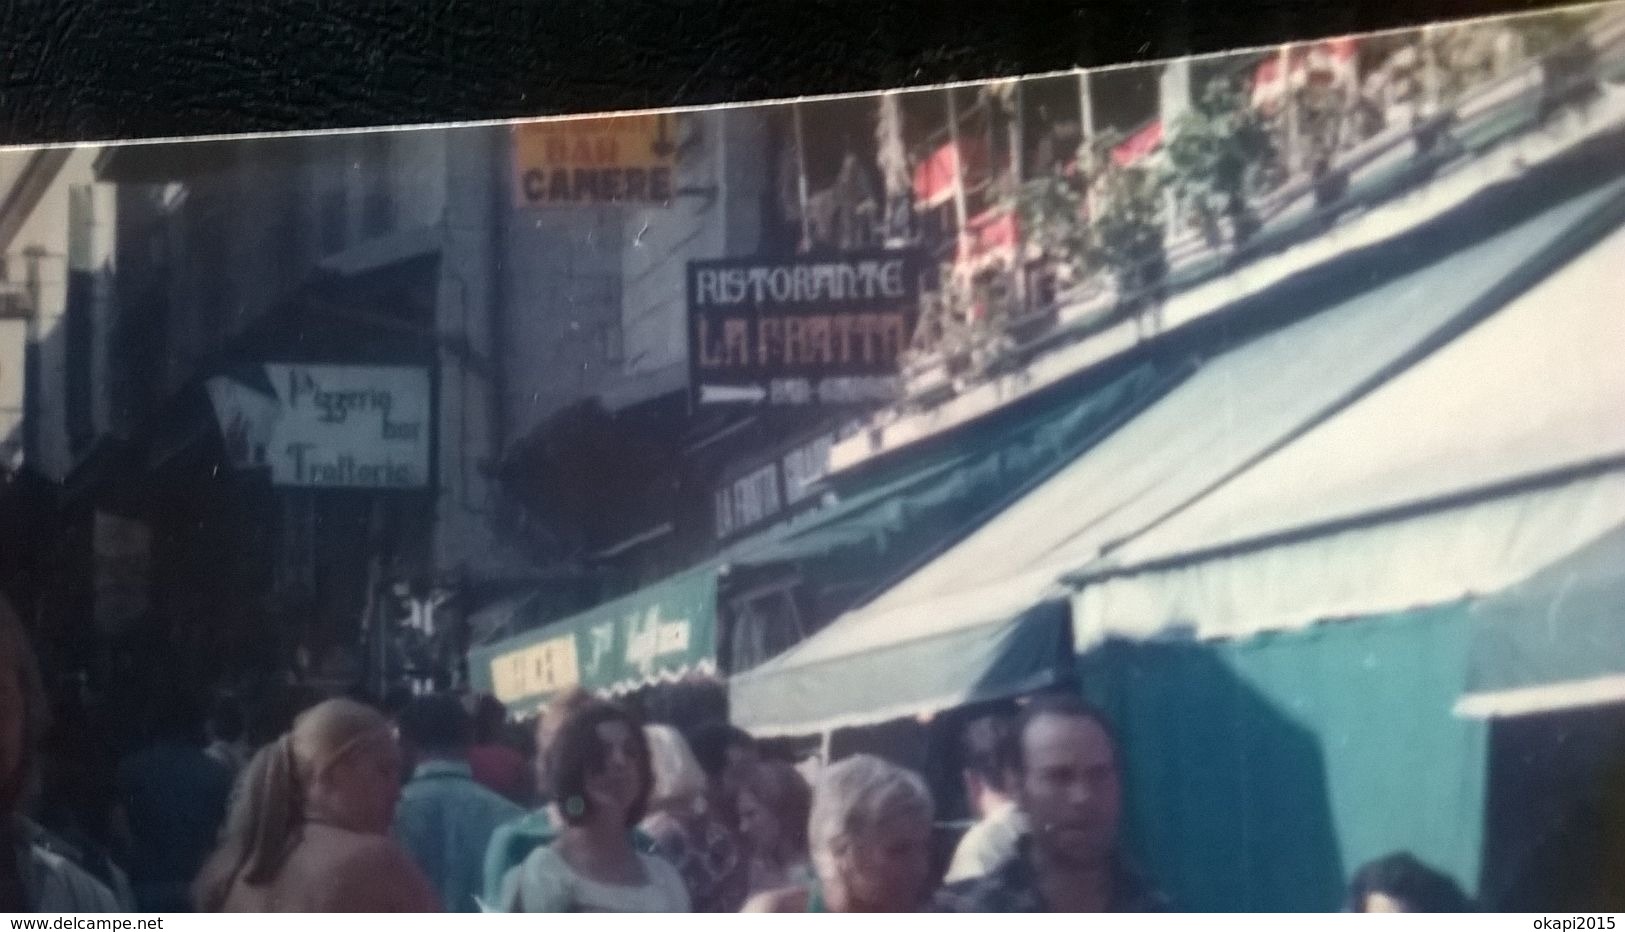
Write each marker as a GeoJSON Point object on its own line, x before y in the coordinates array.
{"type": "Point", "coordinates": [1399, 883]}
{"type": "Point", "coordinates": [308, 828]}
{"type": "Point", "coordinates": [33, 876]}
{"type": "Point", "coordinates": [599, 771]}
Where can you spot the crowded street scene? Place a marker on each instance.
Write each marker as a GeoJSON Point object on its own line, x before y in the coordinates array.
{"type": "Point", "coordinates": [1191, 486]}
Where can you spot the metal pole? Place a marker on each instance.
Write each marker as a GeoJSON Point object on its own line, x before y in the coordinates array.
{"type": "Point", "coordinates": [959, 172]}
{"type": "Point", "coordinates": [801, 177]}
{"type": "Point", "coordinates": [1018, 156]}
{"type": "Point", "coordinates": [1086, 108]}
{"type": "Point", "coordinates": [1086, 153]}
{"type": "Point", "coordinates": [1289, 111]}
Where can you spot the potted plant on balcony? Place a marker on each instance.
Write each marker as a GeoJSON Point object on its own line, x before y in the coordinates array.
{"type": "Point", "coordinates": [1217, 151]}
{"type": "Point", "coordinates": [1105, 219]}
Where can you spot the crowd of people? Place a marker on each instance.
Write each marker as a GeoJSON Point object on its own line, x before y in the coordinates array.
{"type": "Point", "coordinates": [423, 810]}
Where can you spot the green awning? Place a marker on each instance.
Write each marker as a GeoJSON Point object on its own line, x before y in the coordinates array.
{"type": "Point", "coordinates": [856, 673]}
{"type": "Point", "coordinates": [661, 633]}
{"type": "Point", "coordinates": [1555, 641]}
{"type": "Point", "coordinates": [1262, 772]}
{"type": "Point", "coordinates": [926, 502]}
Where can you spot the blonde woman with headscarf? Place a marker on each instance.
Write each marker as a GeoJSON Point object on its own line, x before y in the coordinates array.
{"type": "Point", "coordinates": [308, 829]}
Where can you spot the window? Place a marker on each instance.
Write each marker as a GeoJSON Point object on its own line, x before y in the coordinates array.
{"type": "Point", "coordinates": [766, 622]}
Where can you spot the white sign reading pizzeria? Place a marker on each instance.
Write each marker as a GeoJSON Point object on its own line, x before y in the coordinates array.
{"type": "Point", "coordinates": [350, 426]}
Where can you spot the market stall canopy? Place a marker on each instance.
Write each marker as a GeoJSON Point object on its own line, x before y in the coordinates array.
{"type": "Point", "coordinates": [1555, 641]}
{"type": "Point", "coordinates": [659, 634]}
{"type": "Point", "coordinates": [1491, 458]}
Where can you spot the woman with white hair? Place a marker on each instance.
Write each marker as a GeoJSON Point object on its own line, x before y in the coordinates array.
{"type": "Point", "coordinates": [869, 835]}
{"type": "Point", "coordinates": [684, 829]}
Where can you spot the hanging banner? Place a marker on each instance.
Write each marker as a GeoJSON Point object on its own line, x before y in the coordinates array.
{"type": "Point", "coordinates": [803, 330]}
{"type": "Point", "coordinates": [602, 160]}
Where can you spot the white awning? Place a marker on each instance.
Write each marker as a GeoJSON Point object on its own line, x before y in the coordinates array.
{"type": "Point", "coordinates": [1501, 453]}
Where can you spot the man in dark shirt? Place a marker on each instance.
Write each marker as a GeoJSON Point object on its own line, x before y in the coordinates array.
{"type": "Point", "coordinates": [1064, 768]}
{"type": "Point", "coordinates": [171, 802]}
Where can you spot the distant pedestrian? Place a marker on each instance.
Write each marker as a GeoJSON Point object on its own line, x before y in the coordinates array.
{"type": "Point", "coordinates": [227, 743]}
{"type": "Point", "coordinates": [497, 766]}
{"type": "Point", "coordinates": [309, 824]}
{"type": "Point", "coordinates": [870, 838]}
{"type": "Point", "coordinates": [445, 819]}
{"type": "Point", "coordinates": [170, 803]}
{"type": "Point", "coordinates": [1065, 770]}
{"type": "Point", "coordinates": [599, 773]}
{"type": "Point", "coordinates": [1000, 823]}
{"type": "Point", "coordinates": [774, 805]}
{"type": "Point", "coordinates": [1399, 883]}
{"type": "Point", "coordinates": [725, 753]}
{"type": "Point", "coordinates": [706, 851]}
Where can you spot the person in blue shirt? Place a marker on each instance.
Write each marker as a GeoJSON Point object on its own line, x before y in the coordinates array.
{"type": "Point", "coordinates": [445, 819]}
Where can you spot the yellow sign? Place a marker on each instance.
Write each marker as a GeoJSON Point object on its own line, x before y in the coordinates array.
{"type": "Point", "coordinates": [600, 160]}
{"type": "Point", "coordinates": [540, 669]}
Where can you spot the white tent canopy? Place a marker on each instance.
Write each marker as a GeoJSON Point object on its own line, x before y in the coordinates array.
{"type": "Point", "coordinates": [1494, 457]}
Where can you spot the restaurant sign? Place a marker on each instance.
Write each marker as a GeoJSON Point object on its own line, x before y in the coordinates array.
{"type": "Point", "coordinates": [598, 160]}
{"type": "Point", "coordinates": [328, 426]}
{"type": "Point", "coordinates": [770, 490]}
{"type": "Point", "coordinates": [801, 331]}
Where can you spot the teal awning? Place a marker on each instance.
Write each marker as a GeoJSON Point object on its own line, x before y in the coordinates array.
{"type": "Point", "coordinates": [1555, 641]}
{"type": "Point", "coordinates": [661, 633]}
{"type": "Point", "coordinates": [850, 674]}
{"type": "Point", "coordinates": [926, 502]}
{"type": "Point", "coordinates": [1261, 773]}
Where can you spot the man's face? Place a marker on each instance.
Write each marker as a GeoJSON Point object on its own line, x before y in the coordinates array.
{"type": "Point", "coordinates": [1070, 790]}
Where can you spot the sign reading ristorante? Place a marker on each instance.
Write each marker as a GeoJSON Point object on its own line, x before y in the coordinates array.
{"type": "Point", "coordinates": [802, 330]}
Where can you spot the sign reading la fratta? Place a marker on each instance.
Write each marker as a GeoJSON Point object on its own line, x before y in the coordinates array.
{"type": "Point", "coordinates": [330, 426]}
{"type": "Point", "coordinates": [801, 330]}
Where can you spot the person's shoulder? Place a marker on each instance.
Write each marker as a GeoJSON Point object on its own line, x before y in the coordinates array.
{"type": "Point", "coordinates": [659, 868]}
{"type": "Point", "coordinates": [497, 807]}
{"type": "Point", "coordinates": [1136, 894]}
{"type": "Point", "coordinates": [377, 873]}
{"type": "Point", "coordinates": [964, 896]}
{"type": "Point", "coordinates": [783, 900]}
{"type": "Point", "coordinates": [361, 848]}
{"type": "Point", "coordinates": [65, 887]}
{"type": "Point", "coordinates": [992, 891]}
{"type": "Point", "coordinates": [665, 876]}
